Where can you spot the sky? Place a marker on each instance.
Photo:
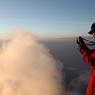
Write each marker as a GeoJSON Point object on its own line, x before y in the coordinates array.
{"type": "Point", "coordinates": [48, 18]}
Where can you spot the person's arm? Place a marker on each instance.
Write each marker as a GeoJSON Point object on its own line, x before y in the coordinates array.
{"type": "Point", "coordinates": [89, 57]}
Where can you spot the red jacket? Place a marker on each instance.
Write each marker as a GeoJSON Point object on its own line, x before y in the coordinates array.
{"type": "Point", "coordinates": [89, 58]}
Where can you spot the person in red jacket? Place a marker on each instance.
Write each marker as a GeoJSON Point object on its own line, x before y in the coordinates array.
{"type": "Point", "coordinates": [89, 59]}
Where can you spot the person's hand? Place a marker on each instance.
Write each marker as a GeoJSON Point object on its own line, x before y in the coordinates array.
{"type": "Point", "coordinates": [81, 44]}
{"type": "Point", "coordinates": [80, 40]}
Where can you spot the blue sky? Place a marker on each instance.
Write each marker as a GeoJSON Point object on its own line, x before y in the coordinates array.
{"type": "Point", "coordinates": [48, 18]}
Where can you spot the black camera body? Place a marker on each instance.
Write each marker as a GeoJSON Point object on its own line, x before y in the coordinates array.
{"type": "Point", "coordinates": [80, 40]}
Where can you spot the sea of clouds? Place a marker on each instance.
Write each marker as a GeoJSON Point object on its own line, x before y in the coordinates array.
{"type": "Point", "coordinates": [28, 68]}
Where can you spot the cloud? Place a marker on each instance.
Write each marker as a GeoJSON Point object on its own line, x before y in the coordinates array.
{"type": "Point", "coordinates": [27, 68]}
{"type": "Point", "coordinates": [79, 84]}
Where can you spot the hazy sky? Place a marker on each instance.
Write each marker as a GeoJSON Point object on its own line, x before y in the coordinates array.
{"type": "Point", "coordinates": [48, 18]}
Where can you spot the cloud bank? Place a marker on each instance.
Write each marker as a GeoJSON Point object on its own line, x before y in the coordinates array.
{"type": "Point", "coordinates": [27, 68]}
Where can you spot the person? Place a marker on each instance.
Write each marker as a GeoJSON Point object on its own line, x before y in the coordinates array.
{"type": "Point", "coordinates": [89, 59]}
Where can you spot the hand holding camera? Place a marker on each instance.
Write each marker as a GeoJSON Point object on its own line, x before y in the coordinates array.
{"type": "Point", "coordinates": [80, 40]}
{"type": "Point", "coordinates": [81, 44]}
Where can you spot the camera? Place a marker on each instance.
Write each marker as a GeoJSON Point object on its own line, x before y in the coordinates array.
{"type": "Point", "coordinates": [80, 40]}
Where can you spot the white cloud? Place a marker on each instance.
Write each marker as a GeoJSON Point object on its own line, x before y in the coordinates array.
{"type": "Point", "coordinates": [27, 68]}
